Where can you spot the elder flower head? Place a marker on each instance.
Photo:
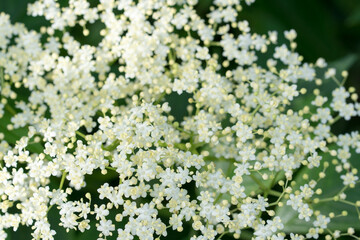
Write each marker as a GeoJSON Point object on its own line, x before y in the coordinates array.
{"type": "Point", "coordinates": [100, 119]}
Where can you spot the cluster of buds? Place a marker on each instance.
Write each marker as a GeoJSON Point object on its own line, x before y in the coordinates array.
{"type": "Point", "coordinates": [172, 124]}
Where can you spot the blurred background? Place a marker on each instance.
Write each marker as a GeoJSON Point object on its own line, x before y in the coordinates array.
{"type": "Point", "coordinates": [326, 28]}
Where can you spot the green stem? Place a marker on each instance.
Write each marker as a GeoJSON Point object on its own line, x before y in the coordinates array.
{"type": "Point", "coordinates": [255, 111]}
{"type": "Point", "coordinates": [110, 158]}
{"type": "Point", "coordinates": [264, 188]}
{"type": "Point", "coordinates": [60, 187]}
{"type": "Point", "coordinates": [215, 44]}
{"type": "Point", "coordinates": [274, 193]}
{"type": "Point", "coordinates": [212, 158]}
{"type": "Point", "coordinates": [181, 130]}
{"type": "Point", "coordinates": [180, 146]}
{"type": "Point", "coordinates": [258, 182]}
{"type": "Point", "coordinates": [274, 180]}
{"type": "Point", "coordinates": [336, 81]}
{"type": "Point", "coordinates": [337, 118]}
{"type": "Point", "coordinates": [221, 235]}
{"type": "Point", "coordinates": [326, 199]}
{"type": "Point", "coordinates": [112, 146]}
{"type": "Point", "coordinates": [343, 190]}
{"type": "Point", "coordinates": [259, 106]}
{"type": "Point", "coordinates": [193, 146]}
{"type": "Point", "coordinates": [348, 202]}
{"type": "Point", "coordinates": [343, 81]}
{"type": "Point", "coordinates": [355, 237]}
{"type": "Point", "coordinates": [162, 95]}
{"type": "Point", "coordinates": [278, 200]}
{"type": "Point", "coordinates": [111, 168]}
{"type": "Point", "coordinates": [80, 134]}
{"type": "Point", "coordinates": [62, 180]}
{"type": "Point", "coordinates": [218, 198]}
{"type": "Point", "coordinates": [10, 110]}
{"type": "Point", "coordinates": [1, 79]}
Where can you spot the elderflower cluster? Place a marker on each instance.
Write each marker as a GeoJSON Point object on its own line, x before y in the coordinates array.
{"type": "Point", "coordinates": [74, 112]}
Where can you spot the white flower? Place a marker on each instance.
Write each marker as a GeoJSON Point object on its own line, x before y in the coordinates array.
{"type": "Point", "coordinates": [330, 73]}
{"type": "Point", "coordinates": [101, 212]}
{"type": "Point", "coordinates": [173, 115]}
{"type": "Point", "coordinates": [290, 35]}
{"type": "Point", "coordinates": [349, 179]}
{"type": "Point", "coordinates": [106, 227]}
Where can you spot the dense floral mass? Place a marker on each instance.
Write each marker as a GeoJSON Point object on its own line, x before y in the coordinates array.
{"type": "Point", "coordinates": [239, 162]}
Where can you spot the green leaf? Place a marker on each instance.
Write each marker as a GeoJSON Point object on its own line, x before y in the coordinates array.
{"type": "Point", "coordinates": [54, 220]}
{"type": "Point", "coordinates": [330, 186]}
{"type": "Point", "coordinates": [227, 166]}
{"type": "Point", "coordinates": [96, 179]}
{"type": "Point", "coordinates": [250, 184]}
{"type": "Point", "coordinates": [14, 135]}
{"type": "Point", "coordinates": [354, 18]}
{"type": "Point", "coordinates": [10, 136]}
{"type": "Point", "coordinates": [91, 234]}
{"type": "Point", "coordinates": [344, 63]}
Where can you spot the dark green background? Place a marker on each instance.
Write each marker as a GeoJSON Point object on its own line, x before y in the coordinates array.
{"type": "Point", "coordinates": [326, 28]}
